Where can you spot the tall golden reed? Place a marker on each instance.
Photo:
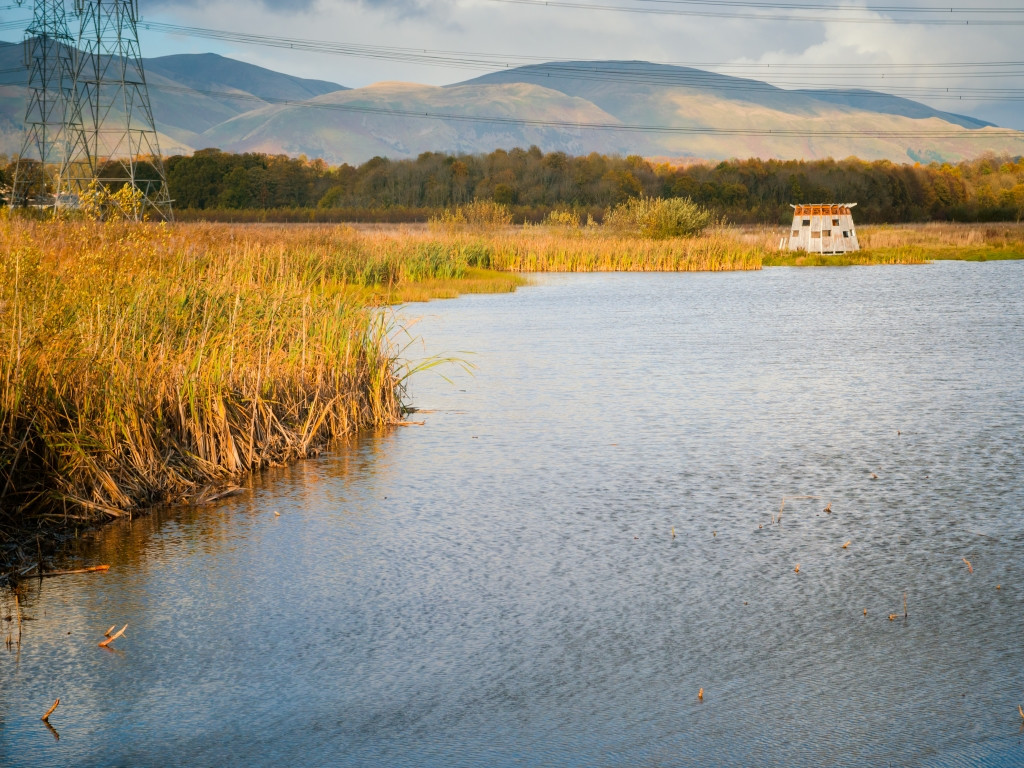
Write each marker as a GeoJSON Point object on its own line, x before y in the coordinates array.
{"type": "Point", "coordinates": [139, 363]}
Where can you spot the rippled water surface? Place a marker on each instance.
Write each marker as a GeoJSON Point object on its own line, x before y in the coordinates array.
{"type": "Point", "coordinates": [501, 586]}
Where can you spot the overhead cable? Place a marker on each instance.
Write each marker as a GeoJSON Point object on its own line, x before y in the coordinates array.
{"type": "Point", "coordinates": [759, 13]}
{"type": "Point", "coordinates": [951, 133]}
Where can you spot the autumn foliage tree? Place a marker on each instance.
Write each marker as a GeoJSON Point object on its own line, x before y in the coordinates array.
{"type": "Point", "coordinates": [533, 183]}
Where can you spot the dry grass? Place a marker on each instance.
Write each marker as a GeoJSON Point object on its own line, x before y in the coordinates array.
{"type": "Point", "coordinates": [146, 363]}
{"type": "Point", "coordinates": [591, 249]}
{"type": "Point", "coordinates": [928, 242]}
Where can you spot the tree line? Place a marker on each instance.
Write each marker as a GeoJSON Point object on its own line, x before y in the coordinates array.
{"type": "Point", "coordinates": [212, 183]}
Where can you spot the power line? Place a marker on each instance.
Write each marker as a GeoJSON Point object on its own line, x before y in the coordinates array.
{"type": "Point", "coordinates": [662, 10]}
{"type": "Point", "coordinates": [760, 4]}
{"type": "Point", "coordinates": [820, 79]}
{"type": "Point", "coordinates": [632, 128]}
{"type": "Point", "coordinates": [489, 63]}
{"type": "Point", "coordinates": [640, 74]}
{"type": "Point", "coordinates": [110, 115]}
{"type": "Point", "coordinates": [487, 60]}
{"type": "Point", "coordinates": [950, 94]}
{"type": "Point", "coordinates": [50, 84]}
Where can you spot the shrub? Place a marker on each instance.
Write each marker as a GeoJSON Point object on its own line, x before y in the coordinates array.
{"type": "Point", "coordinates": [480, 214]}
{"type": "Point", "coordinates": [658, 218]}
{"type": "Point", "coordinates": [563, 218]}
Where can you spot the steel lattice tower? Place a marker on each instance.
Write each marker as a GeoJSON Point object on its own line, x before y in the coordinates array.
{"type": "Point", "coordinates": [48, 58]}
{"type": "Point", "coordinates": [110, 129]}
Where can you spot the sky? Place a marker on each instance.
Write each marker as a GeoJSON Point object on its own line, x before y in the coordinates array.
{"type": "Point", "coordinates": [910, 59]}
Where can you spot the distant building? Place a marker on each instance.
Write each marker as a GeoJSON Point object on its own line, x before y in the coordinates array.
{"type": "Point", "coordinates": [823, 229]}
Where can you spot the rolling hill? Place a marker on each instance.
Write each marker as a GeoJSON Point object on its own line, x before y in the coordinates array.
{"type": "Point", "coordinates": [206, 100]}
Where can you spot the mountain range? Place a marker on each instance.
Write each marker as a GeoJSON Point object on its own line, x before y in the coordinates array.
{"type": "Point", "coordinates": [207, 100]}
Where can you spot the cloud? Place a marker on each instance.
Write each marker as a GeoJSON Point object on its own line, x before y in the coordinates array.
{"type": "Point", "coordinates": [903, 59]}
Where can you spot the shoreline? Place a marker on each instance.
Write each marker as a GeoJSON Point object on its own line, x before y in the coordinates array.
{"type": "Point", "coordinates": [152, 364]}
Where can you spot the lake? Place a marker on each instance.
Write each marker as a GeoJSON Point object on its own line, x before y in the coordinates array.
{"type": "Point", "coordinates": [583, 534]}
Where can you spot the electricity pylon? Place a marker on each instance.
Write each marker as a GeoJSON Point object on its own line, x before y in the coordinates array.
{"type": "Point", "coordinates": [111, 134]}
{"type": "Point", "coordinates": [48, 58]}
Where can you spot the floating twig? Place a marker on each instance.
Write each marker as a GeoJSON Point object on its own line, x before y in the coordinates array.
{"type": "Point", "coordinates": [797, 569]}
{"type": "Point", "coordinates": [113, 637]}
{"type": "Point", "coordinates": [231, 490]}
{"type": "Point", "coordinates": [110, 631]}
{"type": "Point", "coordinates": [49, 712]}
{"type": "Point", "coordinates": [673, 531]}
{"type": "Point", "coordinates": [846, 545]}
{"type": "Point", "coordinates": [700, 695]}
{"type": "Point", "coordinates": [90, 569]}
{"type": "Point", "coordinates": [828, 509]}
{"type": "Point", "coordinates": [970, 568]}
{"type": "Point", "coordinates": [783, 505]}
{"type": "Point", "coordinates": [1019, 709]}
{"type": "Point", "coordinates": [904, 605]}
{"type": "Point", "coordinates": [408, 423]}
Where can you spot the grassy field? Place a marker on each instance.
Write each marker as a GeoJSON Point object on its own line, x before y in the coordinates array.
{"type": "Point", "coordinates": [934, 242]}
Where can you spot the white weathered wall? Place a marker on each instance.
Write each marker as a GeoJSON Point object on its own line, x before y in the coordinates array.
{"type": "Point", "coordinates": [823, 229]}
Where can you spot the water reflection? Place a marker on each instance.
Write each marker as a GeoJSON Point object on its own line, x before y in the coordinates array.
{"type": "Point", "coordinates": [501, 586]}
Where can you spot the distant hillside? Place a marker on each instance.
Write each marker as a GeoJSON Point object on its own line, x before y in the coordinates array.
{"type": "Point", "coordinates": [873, 101]}
{"type": "Point", "coordinates": [206, 100]}
{"type": "Point", "coordinates": [189, 92]}
{"type": "Point", "coordinates": [615, 83]}
{"type": "Point", "coordinates": [347, 126]}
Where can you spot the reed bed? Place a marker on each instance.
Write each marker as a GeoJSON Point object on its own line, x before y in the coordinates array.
{"type": "Point", "coordinates": [591, 249]}
{"type": "Point", "coordinates": [853, 259]}
{"type": "Point", "coordinates": [152, 363]}
{"type": "Point", "coordinates": [947, 241]}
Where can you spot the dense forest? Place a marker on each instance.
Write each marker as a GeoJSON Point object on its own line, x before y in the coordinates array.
{"type": "Point", "coordinates": [253, 186]}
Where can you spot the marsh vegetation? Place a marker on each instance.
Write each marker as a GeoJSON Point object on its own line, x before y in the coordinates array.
{"type": "Point", "coordinates": [147, 363]}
